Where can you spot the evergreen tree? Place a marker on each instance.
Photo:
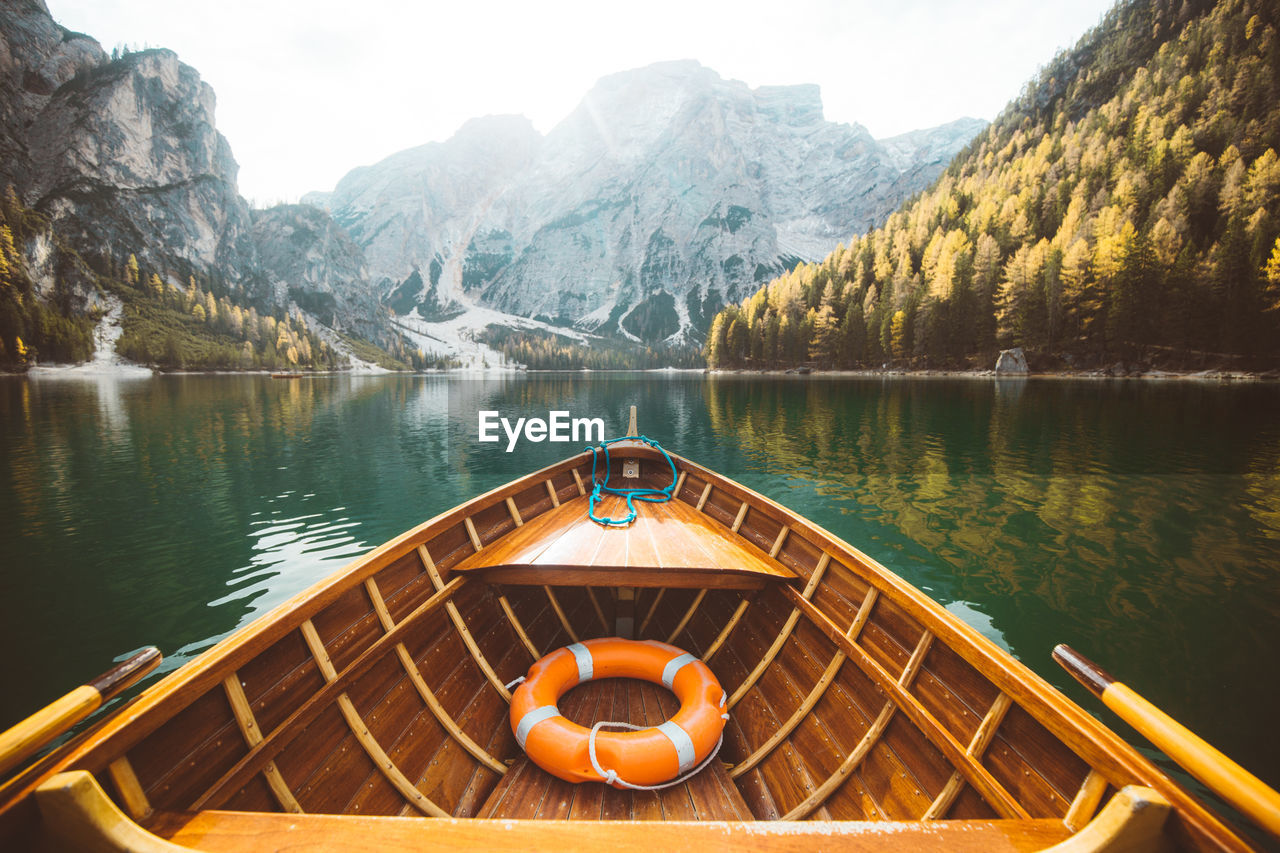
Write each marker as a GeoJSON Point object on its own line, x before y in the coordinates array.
{"type": "Point", "coordinates": [1272, 273]}
{"type": "Point", "coordinates": [898, 332]}
{"type": "Point", "coordinates": [826, 330]}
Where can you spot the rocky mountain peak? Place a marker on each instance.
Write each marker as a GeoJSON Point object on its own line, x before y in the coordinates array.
{"type": "Point", "coordinates": [495, 131]}
{"type": "Point", "coordinates": [144, 120]}
{"type": "Point", "coordinates": [666, 193]}
{"type": "Point", "coordinates": [798, 106]}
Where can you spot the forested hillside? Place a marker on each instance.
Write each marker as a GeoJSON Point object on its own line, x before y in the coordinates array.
{"type": "Point", "coordinates": [168, 321]}
{"type": "Point", "coordinates": [30, 326]}
{"type": "Point", "coordinates": [539, 350]}
{"type": "Point", "coordinates": [1125, 207]}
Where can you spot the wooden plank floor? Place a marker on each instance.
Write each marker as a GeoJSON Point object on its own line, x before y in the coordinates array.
{"type": "Point", "coordinates": [528, 792]}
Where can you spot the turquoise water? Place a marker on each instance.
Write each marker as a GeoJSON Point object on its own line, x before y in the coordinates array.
{"type": "Point", "coordinates": [1137, 521]}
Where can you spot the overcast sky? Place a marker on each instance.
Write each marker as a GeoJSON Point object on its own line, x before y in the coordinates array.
{"type": "Point", "coordinates": [309, 89]}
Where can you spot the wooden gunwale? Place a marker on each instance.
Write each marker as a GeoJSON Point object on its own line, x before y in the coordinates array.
{"type": "Point", "coordinates": [1110, 758]}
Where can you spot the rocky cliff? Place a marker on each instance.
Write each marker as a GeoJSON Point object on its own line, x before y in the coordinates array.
{"type": "Point", "coordinates": [126, 157]}
{"type": "Point", "coordinates": [122, 156]}
{"type": "Point", "coordinates": [311, 262]}
{"type": "Point", "coordinates": [667, 193]}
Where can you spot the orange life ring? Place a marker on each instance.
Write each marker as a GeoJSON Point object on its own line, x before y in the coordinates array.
{"type": "Point", "coordinates": [642, 758]}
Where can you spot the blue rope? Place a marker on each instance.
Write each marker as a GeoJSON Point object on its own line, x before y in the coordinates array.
{"type": "Point", "coordinates": [601, 487]}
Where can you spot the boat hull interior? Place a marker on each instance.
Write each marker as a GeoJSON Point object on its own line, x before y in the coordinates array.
{"type": "Point", "coordinates": [383, 691]}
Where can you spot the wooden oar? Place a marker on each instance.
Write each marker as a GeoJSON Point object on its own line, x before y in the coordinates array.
{"type": "Point", "coordinates": [27, 737]}
{"type": "Point", "coordinates": [1246, 792]}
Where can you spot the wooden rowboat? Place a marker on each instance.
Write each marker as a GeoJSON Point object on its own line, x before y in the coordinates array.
{"type": "Point", "coordinates": [371, 711]}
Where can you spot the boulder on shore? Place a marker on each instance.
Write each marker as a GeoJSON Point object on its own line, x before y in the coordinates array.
{"type": "Point", "coordinates": [1012, 361]}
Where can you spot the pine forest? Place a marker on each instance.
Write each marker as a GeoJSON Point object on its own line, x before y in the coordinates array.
{"type": "Point", "coordinates": [1126, 207]}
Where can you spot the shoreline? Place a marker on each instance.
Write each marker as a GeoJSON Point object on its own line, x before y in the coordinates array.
{"type": "Point", "coordinates": [937, 373]}
{"type": "Point", "coordinates": [88, 370]}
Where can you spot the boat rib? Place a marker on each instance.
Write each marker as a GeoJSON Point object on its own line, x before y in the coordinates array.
{"type": "Point", "coordinates": [977, 746]}
{"type": "Point", "coordinates": [818, 691]}
{"type": "Point", "coordinates": [363, 736]}
{"type": "Point", "coordinates": [126, 781]}
{"type": "Point", "coordinates": [688, 614]}
{"type": "Point", "coordinates": [253, 737]}
{"type": "Point", "coordinates": [518, 627]}
{"type": "Point", "coordinates": [424, 691]}
{"type": "Point", "coordinates": [977, 775]}
{"type": "Point", "coordinates": [727, 630]}
{"type": "Point", "coordinates": [284, 734]}
{"type": "Point", "coordinates": [458, 622]}
{"type": "Point", "coordinates": [783, 635]}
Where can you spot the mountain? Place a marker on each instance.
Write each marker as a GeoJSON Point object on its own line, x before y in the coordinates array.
{"type": "Point", "coordinates": [667, 192]}
{"type": "Point", "coordinates": [1124, 207]}
{"type": "Point", "coordinates": [116, 172]}
{"type": "Point", "coordinates": [309, 261]}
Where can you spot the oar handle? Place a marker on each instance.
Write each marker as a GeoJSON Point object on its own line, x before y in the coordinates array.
{"type": "Point", "coordinates": [1246, 792]}
{"type": "Point", "coordinates": [27, 737]}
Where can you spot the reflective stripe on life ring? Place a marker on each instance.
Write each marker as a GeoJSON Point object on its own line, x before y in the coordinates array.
{"type": "Point", "coordinates": [582, 656]}
{"type": "Point", "coordinates": [685, 752]}
{"type": "Point", "coordinates": [647, 757]}
{"type": "Point", "coordinates": [531, 719]}
{"type": "Point", "coordinates": [673, 667]}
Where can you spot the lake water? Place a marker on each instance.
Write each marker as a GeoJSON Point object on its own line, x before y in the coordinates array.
{"type": "Point", "coordinates": [1138, 521]}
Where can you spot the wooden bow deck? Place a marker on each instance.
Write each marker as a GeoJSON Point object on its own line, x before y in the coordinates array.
{"type": "Point", "coordinates": [669, 544]}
